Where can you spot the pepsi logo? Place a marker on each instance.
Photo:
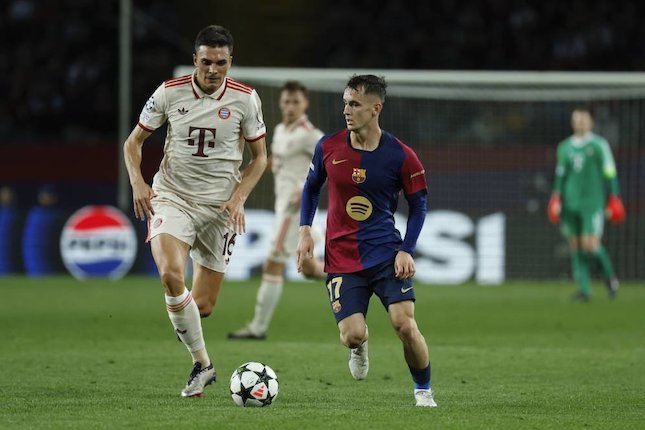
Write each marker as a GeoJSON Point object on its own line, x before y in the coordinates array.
{"type": "Point", "coordinates": [98, 241]}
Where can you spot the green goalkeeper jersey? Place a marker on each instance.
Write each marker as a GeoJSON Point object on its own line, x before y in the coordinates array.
{"type": "Point", "coordinates": [585, 165]}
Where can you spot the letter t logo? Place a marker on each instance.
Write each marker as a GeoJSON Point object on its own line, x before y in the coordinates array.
{"type": "Point", "coordinates": [201, 141]}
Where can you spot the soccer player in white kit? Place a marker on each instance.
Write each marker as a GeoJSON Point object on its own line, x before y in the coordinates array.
{"type": "Point", "coordinates": [292, 147]}
{"type": "Point", "coordinates": [196, 202]}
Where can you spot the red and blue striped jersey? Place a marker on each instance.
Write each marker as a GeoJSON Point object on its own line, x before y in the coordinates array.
{"type": "Point", "coordinates": [363, 189]}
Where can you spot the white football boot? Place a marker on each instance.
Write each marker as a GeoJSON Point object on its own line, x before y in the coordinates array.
{"type": "Point", "coordinates": [198, 379]}
{"type": "Point", "coordinates": [359, 362]}
{"type": "Point", "coordinates": [424, 398]}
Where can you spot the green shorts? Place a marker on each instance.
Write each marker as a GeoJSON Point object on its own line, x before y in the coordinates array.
{"type": "Point", "coordinates": [581, 223]}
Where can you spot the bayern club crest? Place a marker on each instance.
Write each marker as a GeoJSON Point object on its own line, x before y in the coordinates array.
{"type": "Point", "coordinates": [224, 113]}
{"type": "Point", "coordinates": [98, 241]}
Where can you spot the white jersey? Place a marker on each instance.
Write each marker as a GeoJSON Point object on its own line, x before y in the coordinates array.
{"type": "Point", "coordinates": [292, 148]}
{"type": "Point", "coordinates": [204, 146]}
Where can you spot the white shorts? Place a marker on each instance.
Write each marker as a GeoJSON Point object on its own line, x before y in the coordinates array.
{"type": "Point", "coordinates": [285, 239]}
{"type": "Point", "coordinates": [206, 231]}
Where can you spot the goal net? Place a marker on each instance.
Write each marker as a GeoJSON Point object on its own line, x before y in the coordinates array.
{"type": "Point", "coordinates": [488, 142]}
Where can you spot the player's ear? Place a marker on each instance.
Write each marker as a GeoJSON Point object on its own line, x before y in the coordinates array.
{"type": "Point", "coordinates": [194, 59]}
{"type": "Point", "coordinates": [378, 107]}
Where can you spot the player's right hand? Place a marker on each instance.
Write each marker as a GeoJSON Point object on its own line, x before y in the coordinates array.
{"type": "Point", "coordinates": [305, 248]}
{"type": "Point", "coordinates": [141, 200]}
{"type": "Point", "coordinates": [554, 208]}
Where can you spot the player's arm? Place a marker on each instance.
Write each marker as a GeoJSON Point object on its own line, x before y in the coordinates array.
{"type": "Point", "coordinates": [615, 209]}
{"type": "Point", "coordinates": [152, 117]}
{"type": "Point", "coordinates": [404, 262]}
{"type": "Point", "coordinates": [554, 208]}
{"type": "Point", "coordinates": [141, 192]}
{"type": "Point", "coordinates": [269, 166]}
{"type": "Point", "coordinates": [415, 191]}
{"type": "Point", "coordinates": [250, 177]}
{"type": "Point", "coordinates": [309, 203]}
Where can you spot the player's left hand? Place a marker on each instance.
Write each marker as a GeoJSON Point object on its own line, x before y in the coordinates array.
{"type": "Point", "coordinates": [305, 248]}
{"type": "Point", "coordinates": [615, 209]}
{"type": "Point", "coordinates": [234, 208]}
{"type": "Point", "coordinates": [403, 265]}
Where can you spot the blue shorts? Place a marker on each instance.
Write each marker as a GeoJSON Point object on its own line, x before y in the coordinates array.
{"type": "Point", "coordinates": [350, 293]}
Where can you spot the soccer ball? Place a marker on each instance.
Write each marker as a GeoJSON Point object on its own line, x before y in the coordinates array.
{"type": "Point", "coordinates": [254, 384]}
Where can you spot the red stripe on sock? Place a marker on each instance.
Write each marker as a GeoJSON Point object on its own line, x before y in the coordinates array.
{"type": "Point", "coordinates": [180, 306]}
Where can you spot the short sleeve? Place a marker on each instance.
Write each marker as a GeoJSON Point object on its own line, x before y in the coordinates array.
{"type": "Point", "coordinates": [154, 114]}
{"type": "Point", "coordinates": [312, 140]}
{"type": "Point", "coordinates": [253, 126]}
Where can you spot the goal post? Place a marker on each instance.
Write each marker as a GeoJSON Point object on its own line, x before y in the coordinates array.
{"type": "Point", "coordinates": [488, 142]}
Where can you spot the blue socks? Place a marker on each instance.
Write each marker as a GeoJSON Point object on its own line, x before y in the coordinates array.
{"type": "Point", "coordinates": [421, 378]}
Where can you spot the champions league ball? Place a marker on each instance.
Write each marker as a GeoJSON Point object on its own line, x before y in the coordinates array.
{"type": "Point", "coordinates": [254, 384]}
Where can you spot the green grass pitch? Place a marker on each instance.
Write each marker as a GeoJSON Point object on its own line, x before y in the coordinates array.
{"type": "Point", "coordinates": [102, 354]}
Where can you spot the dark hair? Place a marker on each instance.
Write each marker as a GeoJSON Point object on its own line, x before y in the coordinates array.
{"type": "Point", "coordinates": [214, 36]}
{"type": "Point", "coordinates": [293, 86]}
{"type": "Point", "coordinates": [371, 84]}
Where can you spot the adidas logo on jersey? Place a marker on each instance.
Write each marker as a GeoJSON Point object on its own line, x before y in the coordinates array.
{"type": "Point", "coordinates": [182, 111]}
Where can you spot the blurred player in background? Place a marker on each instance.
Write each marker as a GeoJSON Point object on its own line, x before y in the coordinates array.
{"type": "Point", "coordinates": [10, 231]}
{"type": "Point", "coordinates": [579, 203]}
{"type": "Point", "coordinates": [366, 169]}
{"type": "Point", "coordinates": [292, 147]}
{"type": "Point", "coordinates": [196, 203]}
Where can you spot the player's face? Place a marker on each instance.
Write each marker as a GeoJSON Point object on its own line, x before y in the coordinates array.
{"type": "Point", "coordinates": [581, 122]}
{"type": "Point", "coordinates": [360, 109]}
{"type": "Point", "coordinates": [212, 66]}
{"type": "Point", "coordinates": [293, 105]}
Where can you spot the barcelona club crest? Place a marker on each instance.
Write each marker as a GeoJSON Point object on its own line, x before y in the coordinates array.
{"type": "Point", "coordinates": [336, 306]}
{"type": "Point", "coordinates": [359, 175]}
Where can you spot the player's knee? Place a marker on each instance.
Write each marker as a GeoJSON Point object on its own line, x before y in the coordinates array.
{"type": "Point", "coordinates": [310, 273]}
{"type": "Point", "coordinates": [314, 270]}
{"type": "Point", "coordinates": [172, 281]}
{"type": "Point", "coordinates": [591, 248]}
{"type": "Point", "coordinates": [307, 272]}
{"type": "Point", "coordinates": [406, 329]}
{"type": "Point", "coordinates": [352, 339]}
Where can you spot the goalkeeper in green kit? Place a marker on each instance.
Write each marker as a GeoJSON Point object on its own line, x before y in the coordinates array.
{"type": "Point", "coordinates": [579, 203]}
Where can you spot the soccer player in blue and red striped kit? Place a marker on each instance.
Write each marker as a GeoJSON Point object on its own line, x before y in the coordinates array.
{"type": "Point", "coordinates": [366, 168]}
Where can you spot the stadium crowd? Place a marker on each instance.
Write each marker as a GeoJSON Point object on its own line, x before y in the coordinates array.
{"type": "Point", "coordinates": [59, 66]}
{"type": "Point", "coordinates": [488, 35]}
{"type": "Point", "coordinates": [59, 59]}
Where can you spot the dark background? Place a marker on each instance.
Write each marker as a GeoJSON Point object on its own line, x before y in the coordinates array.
{"type": "Point", "coordinates": [59, 94]}
{"type": "Point", "coordinates": [59, 59]}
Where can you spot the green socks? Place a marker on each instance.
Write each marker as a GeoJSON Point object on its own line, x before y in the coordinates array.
{"type": "Point", "coordinates": [602, 258]}
{"type": "Point", "coordinates": [580, 268]}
